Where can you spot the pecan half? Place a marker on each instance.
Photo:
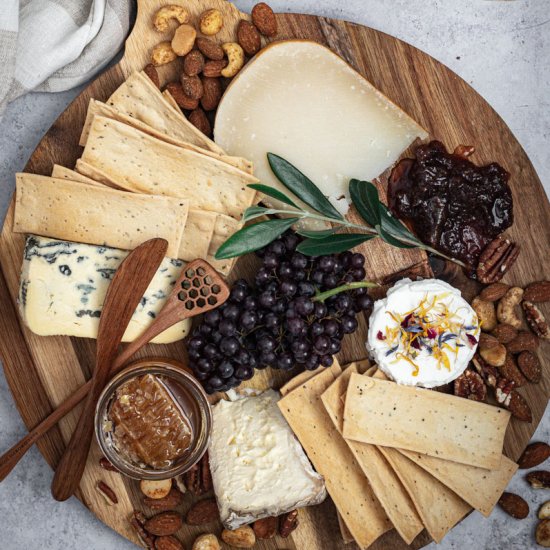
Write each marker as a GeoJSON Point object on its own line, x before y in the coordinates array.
{"type": "Point", "coordinates": [535, 319]}
{"type": "Point", "coordinates": [288, 523]}
{"type": "Point", "coordinates": [137, 521]}
{"type": "Point", "coordinates": [106, 465]}
{"type": "Point", "coordinates": [496, 259]}
{"type": "Point", "coordinates": [107, 493]}
{"type": "Point", "coordinates": [471, 386]}
{"type": "Point", "coordinates": [198, 479]}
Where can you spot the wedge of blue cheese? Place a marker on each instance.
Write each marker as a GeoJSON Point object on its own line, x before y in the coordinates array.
{"type": "Point", "coordinates": [259, 468]}
{"type": "Point", "coordinates": [63, 287]}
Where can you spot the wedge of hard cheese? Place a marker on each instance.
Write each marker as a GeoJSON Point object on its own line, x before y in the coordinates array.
{"type": "Point", "coordinates": [90, 214]}
{"type": "Point", "coordinates": [301, 101]}
{"type": "Point", "coordinates": [139, 162]}
{"type": "Point", "coordinates": [63, 287]}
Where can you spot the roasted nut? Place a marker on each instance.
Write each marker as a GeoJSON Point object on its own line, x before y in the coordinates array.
{"type": "Point", "coordinates": [183, 101]}
{"type": "Point", "coordinates": [524, 341]}
{"type": "Point", "coordinates": [264, 19]}
{"type": "Point", "coordinates": [173, 499]}
{"type": "Point", "coordinates": [164, 524]}
{"type": "Point", "coordinates": [537, 292]}
{"type": "Point", "coordinates": [534, 454]}
{"type": "Point", "coordinates": [162, 53]}
{"type": "Point", "coordinates": [192, 479]}
{"type": "Point", "coordinates": [107, 493]}
{"type": "Point", "coordinates": [209, 49]}
{"type": "Point", "coordinates": [106, 465]}
{"type": "Point", "coordinates": [493, 353]}
{"type": "Point", "coordinates": [544, 510]}
{"type": "Point", "coordinates": [213, 69]}
{"type": "Point", "coordinates": [193, 63]}
{"type": "Point", "coordinates": [504, 333]}
{"type": "Point", "coordinates": [535, 319]}
{"type": "Point", "coordinates": [506, 312]}
{"type": "Point", "coordinates": [198, 118]}
{"type": "Point", "coordinates": [184, 39]}
{"type": "Point", "coordinates": [249, 38]}
{"type": "Point", "coordinates": [192, 86]}
{"type": "Point", "coordinates": [494, 292]}
{"type": "Point", "coordinates": [539, 479]}
{"type": "Point", "coordinates": [519, 407]}
{"type": "Point", "coordinates": [288, 523]}
{"type": "Point", "coordinates": [530, 366]}
{"type": "Point", "coordinates": [137, 521]}
{"type": "Point", "coordinates": [510, 371]}
{"type": "Point", "coordinates": [211, 22]}
{"type": "Point", "coordinates": [486, 371]}
{"type": "Point", "coordinates": [168, 543]}
{"type": "Point", "coordinates": [496, 259]}
{"type": "Point", "coordinates": [266, 528]}
{"type": "Point", "coordinates": [207, 542]}
{"type": "Point", "coordinates": [155, 488]}
{"type": "Point", "coordinates": [203, 512]}
{"type": "Point", "coordinates": [206, 474]}
{"type": "Point", "coordinates": [152, 73]}
{"type": "Point", "coordinates": [212, 93]}
{"type": "Point", "coordinates": [235, 56]}
{"type": "Point", "coordinates": [470, 385]}
{"type": "Point", "coordinates": [486, 313]}
{"type": "Point", "coordinates": [166, 13]}
{"type": "Point", "coordinates": [542, 534]}
{"type": "Point", "coordinates": [514, 505]}
{"type": "Point", "coordinates": [243, 537]}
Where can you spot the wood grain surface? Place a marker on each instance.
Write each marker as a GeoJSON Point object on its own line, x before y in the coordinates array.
{"type": "Point", "coordinates": [42, 372]}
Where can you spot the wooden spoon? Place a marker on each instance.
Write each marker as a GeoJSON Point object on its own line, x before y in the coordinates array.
{"type": "Point", "coordinates": [214, 292]}
{"type": "Point", "coordinates": [125, 291]}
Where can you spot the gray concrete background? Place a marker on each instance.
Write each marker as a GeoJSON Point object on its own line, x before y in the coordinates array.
{"type": "Point", "coordinates": [502, 48]}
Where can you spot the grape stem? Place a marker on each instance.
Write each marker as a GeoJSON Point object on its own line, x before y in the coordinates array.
{"type": "Point", "coordinates": [322, 296]}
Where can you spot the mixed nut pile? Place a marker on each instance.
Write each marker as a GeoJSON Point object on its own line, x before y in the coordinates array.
{"type": "Point", "coordinates": [208, 66]}
{"type": "Point", "coordinates": [506, 357]}
{"type": "Point", "coordinates": [163, 498]}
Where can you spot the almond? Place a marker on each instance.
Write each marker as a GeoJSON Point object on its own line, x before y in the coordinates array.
{"type": "Point", "coordinates": [544, 511]}
{"type": "Point", "coordinates": [519, 407]}
{"type": "Point", "coordinates": [494, 292]}
{"type": "Point", "coordinates": [168, 543]}
{"type": "Point", "coordinates": [266, 528]}
{"type": "Point", "coordinates": [173, 499]}
{"type": "Point", "coordinates": [192, 86]}
{"type": "Point", "coordinates": [539, 479]}
{"type": "Point", "coordinates": [264, 19]}
{"type": "Point", "coordinates": [514, 505]}
{"type": "Point", "coordinates": [524, 341]}
{"type": "Point", "coordinates": [209, 48]}
{"type": "Point", "coordinates": [504, 333]}
{"type": "Point", "coordinates": [199, 119]}
{"type": "Point", "coordinates": [203, 512]}
{"type": "Point", "coordinates": [213, 69]}
{"type": "Point", "coordinates": [184, 101]}
{"type": "Point", "coordinates": [151, 71]}
{"type": "Point", "coordinates": [542, 534]}
{"type": "Point", "coordinates": [534, 454]}
{"type": "Point", "coordinates": [530, 366]}
{"type": "Point", "coordinates": [164, 524]}
{"type": "Point", "coordinates": [193, 63]}
{"type": "Point", "coordinates": [249, 38]}
{"type": "Point", "coordinates": [212, 93]}
{"type": "Point", "coordinates": [243, 537]}
{"type": "Point", "coordinates": [537, 292]}
{"type": "Point", "coordinates": [510, 371]}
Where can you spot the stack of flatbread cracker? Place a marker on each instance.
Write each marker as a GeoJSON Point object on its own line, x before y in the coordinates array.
{"type": "Point", "coordinates": [145, 171]}
{"type": "Point", "coordinates": [394, 456]}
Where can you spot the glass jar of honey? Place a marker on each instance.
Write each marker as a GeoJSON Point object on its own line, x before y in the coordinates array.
{"type": "Point", "coordinates": [153, 420]}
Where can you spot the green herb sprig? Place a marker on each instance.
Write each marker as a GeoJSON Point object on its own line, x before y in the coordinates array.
{"type": "Point", "coordinates": [364, 196]}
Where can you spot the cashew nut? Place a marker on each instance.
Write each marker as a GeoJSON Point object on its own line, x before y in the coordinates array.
{"type": "Point", "coordinates": [506, 312]}
{"type": "Point", "coordinates": [166, 13]}
{"type": "Point", "coordinates": [162, 53]}
{"type": "Point", "coordinates": [155, 488]}
{"type": "Point", "coordinates": [207, 542]}
{"type": "Point", "coordinates": [184, 39]}
{"type": "Point", "coordinates": [211, 22]}
{"type": "Point", "coordinates": [235, 55]}
{"type": "Point", "coordinates": [486, 313]}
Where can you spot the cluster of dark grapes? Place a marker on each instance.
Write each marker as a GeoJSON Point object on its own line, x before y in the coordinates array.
{"type": "Point", "coordinates": [276, 322]}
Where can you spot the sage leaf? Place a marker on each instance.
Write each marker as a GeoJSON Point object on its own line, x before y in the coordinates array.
{"type": "Point", "coordinates": [364, 197]}
{"type": "Point", "coordinates": [333, 244]}
{"type": "Point", "coordinates": [253, 237]}
{"type": "Point", "coordinates": [272, 192]}
{"type": "Point", "coordinates": [321, 234]}
{"type": "Point", "coordinates": [302, 186]}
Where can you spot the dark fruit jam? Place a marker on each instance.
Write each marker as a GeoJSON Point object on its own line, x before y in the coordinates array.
{"type": "Point", "coordinates": [453, 205]}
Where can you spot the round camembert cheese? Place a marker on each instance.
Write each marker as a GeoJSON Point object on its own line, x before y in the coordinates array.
{"type": "Point", "coordinates": [423, 333]}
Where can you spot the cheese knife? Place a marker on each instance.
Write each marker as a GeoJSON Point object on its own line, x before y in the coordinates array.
{"type": "Point", "coordinates": [125, 291]}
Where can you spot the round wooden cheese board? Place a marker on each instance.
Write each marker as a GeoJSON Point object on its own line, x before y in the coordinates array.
{"type": "Point", "coordinates": [43, 371]}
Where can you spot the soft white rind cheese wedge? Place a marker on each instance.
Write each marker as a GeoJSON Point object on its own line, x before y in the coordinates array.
{"type": "Point", "coordinates": [63, 287]}
{"type": "Point", "coordinates": [301, 101]}
{"type": "Point", "coordinates": [402, 298]}
{"type": "Point", "coordinates": [258, 467]}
